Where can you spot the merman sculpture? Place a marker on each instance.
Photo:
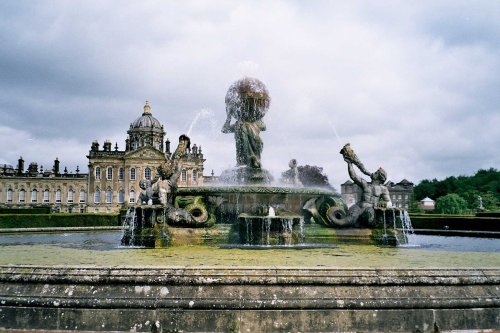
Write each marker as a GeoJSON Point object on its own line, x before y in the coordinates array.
{"type": "Point", "coordinates": [374, 194]}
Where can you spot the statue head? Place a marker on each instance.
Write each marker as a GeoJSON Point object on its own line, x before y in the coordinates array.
{"type": "Point", "coordinates": [380, 176]}
{"type": "Point", "coordinates": [247, 100]}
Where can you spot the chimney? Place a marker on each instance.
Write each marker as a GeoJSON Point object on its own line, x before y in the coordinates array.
{"type": "Point", "coordinates": [20, 166]}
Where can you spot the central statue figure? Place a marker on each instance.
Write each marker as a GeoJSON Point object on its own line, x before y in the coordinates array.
{"type": "Point", "coordinates": [247, 101]}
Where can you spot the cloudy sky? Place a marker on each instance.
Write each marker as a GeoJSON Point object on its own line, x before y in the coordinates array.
{"type": "Point", "coordinates": [413, 86]}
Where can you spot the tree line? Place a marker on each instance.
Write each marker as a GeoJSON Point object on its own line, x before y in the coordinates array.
{"type": "Point", "coordinates": [456, 195]}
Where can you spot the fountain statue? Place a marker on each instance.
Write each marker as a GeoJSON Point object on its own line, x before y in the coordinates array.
{"type": "Point", "coordinates": [374, 194]}
{"type": "Point", "coordinates": [247, 101]}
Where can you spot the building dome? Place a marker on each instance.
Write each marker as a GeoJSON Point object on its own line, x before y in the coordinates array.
{"type": "Point", "coordinates": [146, 121]}
{"type": "Point", "coordinates": [145, 131]}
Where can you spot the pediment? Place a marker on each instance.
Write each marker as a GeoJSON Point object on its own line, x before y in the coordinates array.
{"type": "Point", "coordinates": [145, 153]}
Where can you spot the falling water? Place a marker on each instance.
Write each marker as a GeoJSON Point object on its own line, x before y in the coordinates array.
{"type": "Point", "coordinates": [129, 225]}
{"type": "Point", "coordinates": [301, 230]}
{"type": "Point", "coordinates": [406, 226]}
{"type": "Point", "coordinates": [202, 114]}
{"type": "Point", "coordinates": [267, 225]}
{"type": "Point", "coordinates": [385, 225]}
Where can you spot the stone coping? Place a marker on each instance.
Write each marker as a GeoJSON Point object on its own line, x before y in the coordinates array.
{"type": "Point", "coordinates": [249, 275]}
{"type": "Point", "coordinates": [253, 189]}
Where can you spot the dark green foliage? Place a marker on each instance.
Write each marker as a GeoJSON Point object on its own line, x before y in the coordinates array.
{"type": "Point", "coordinates": [310, 176]}
{"type": "Point", "coordinates": [451, 204]}
{"type": "Point", "coordinates": [484, 183]}
{"type": "Point", "coordinates": [31, 210]}
{"type": "Point", "coordinates": [58, 220]}
{"type": "Point", "coordinates": [454, 222]}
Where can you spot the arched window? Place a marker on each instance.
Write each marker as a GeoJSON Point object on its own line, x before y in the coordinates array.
{"type": "Point", "coordinates": [58, 196]}
{"type": "Point", "coordinates": [109, 195]}
{"type": "Point", "coordinates": [132, 196]}
{"type": "Point", "coordinates": [34, 195]}
{"type": "Point", "coordinates": [71, 196]}
{"type": "Point", "coordinates": [97, 195]}
{"type": "Point", "coordinates": [147, 173]}
{"type": "Point", "coordinates": [121, 196]}
{"type": "Point", "coordinates": [10, 195]}
{"type": "Point", "coordinates": [121, 173]}
{"type": "Point", "coordinates": [22, 195]}
{"type": "Point", "coordinates": [109, 173]}
{"type": "Point", "coordinates": [46, 195]}
{"type": "Point", "coordinates": [132, 174]}
{"type": "Point", "coordinates": [82, 195]}
{"type": "Point", "coordinates": [97, 173]}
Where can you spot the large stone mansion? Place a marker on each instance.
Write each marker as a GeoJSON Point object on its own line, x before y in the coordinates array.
{"type": "Point", "coordinates": [113, 175]}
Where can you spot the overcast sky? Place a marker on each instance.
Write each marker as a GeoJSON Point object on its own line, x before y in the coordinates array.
{"type": "Point", "coordinates": [414, 86]}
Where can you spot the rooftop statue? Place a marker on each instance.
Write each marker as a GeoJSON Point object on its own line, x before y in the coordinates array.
{"type": "Point", "coordinates": [374, 193]}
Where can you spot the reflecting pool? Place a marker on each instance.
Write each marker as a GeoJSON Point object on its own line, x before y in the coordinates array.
{"type": "Point", "coordinates": [102, 249]}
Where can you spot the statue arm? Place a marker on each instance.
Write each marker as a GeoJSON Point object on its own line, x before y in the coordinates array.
{"type": "Point", "coordinates": [260, 124]}
{"type": "Point", "coordinates": [386, 196]}
{"type": "Point", "coordinates": [227, 127]}
{"type": "Point", "coordinates": [355, 178]}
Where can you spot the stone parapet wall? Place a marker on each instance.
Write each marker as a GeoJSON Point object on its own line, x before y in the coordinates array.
{"type": "Point", "coordinates": [273, 299]}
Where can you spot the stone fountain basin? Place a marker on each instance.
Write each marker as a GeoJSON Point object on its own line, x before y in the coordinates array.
{"type": "Point", "coordinates": [253, 299]}
{"type": "Point", "coordinates": [228, 202]}
{"type": "Point", "coordinates": [45, 286]}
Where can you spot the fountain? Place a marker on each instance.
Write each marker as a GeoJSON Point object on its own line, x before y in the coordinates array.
{"type": "Point", "coordinates": [256, 212]}
{"type": "Point", "coordinates": [212, 288]}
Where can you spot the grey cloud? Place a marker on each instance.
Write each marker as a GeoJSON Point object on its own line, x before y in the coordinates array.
{"type": "Point", "coordinates": [397, 81]}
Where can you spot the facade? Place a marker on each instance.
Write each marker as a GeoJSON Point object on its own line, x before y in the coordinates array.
{"type": "Point", "coordinates": [401, 193]}
{"type": "Point", "coordinates": [113, 176]}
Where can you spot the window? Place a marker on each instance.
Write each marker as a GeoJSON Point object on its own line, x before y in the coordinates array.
{"type": "Point", "coordinates": [82, 195]}
{"type": "Point", "coordinates": [58, 196]}
{"type": "Point", "coordinates": [34, 194]}
{"type": "Point", "coordinates": [97, 173]}
{"type": "Point", "coordinates": [184, 175]}
{"type": "Point", "coordinates": [109, 173]}
{"type": "Point", "coordinates": [121, 196]}
{"type": "Point", "coordinates": [10, 195]}
{"type": "Point", "coordinates": [195, 175]}
{"type": "Point", "coordinates": [109, 196]}
{"type": "Point", "coordinates": [147, 173]}
{"type": "Point", "coordinates": [46, 196]}
{"type": "Point", "coordinates": [121, 173]}
{"type": "Point", "coordinates": [70, 196]}
{"type": "Point", "coordinates": [406, 196]}
{"type": "Point", "coordinates": [22, 196]}
{"type": "Point", "coordinates": [132, 197]}
{"type": "Point", "coordinates": [97, 195]}
{"type": "Point", "coordinates": [132, 174]}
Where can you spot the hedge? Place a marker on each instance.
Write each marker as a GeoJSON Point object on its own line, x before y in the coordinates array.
{"type": "Point", "coordinates": [488, 214]}
{"type": "Point", "coordinates": [58, 220]}
{"type": "Point", "coordinates": [31, 210]}
{"type": "Point", "coordinates": [455, 222]}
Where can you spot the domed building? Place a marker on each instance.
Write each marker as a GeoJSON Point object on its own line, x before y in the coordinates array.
{"type": "Point", "coordinates": [113, 177]}
{"type": "Point", "coordinates": [145, 131]}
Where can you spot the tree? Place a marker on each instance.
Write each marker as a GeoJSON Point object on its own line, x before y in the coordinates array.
{"type": "Point", "coordinates": [310, 176]}
{"type": "Point", "coordinates": [484, 183]}
{"type": "Point", "coordinates": [451, 204]}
